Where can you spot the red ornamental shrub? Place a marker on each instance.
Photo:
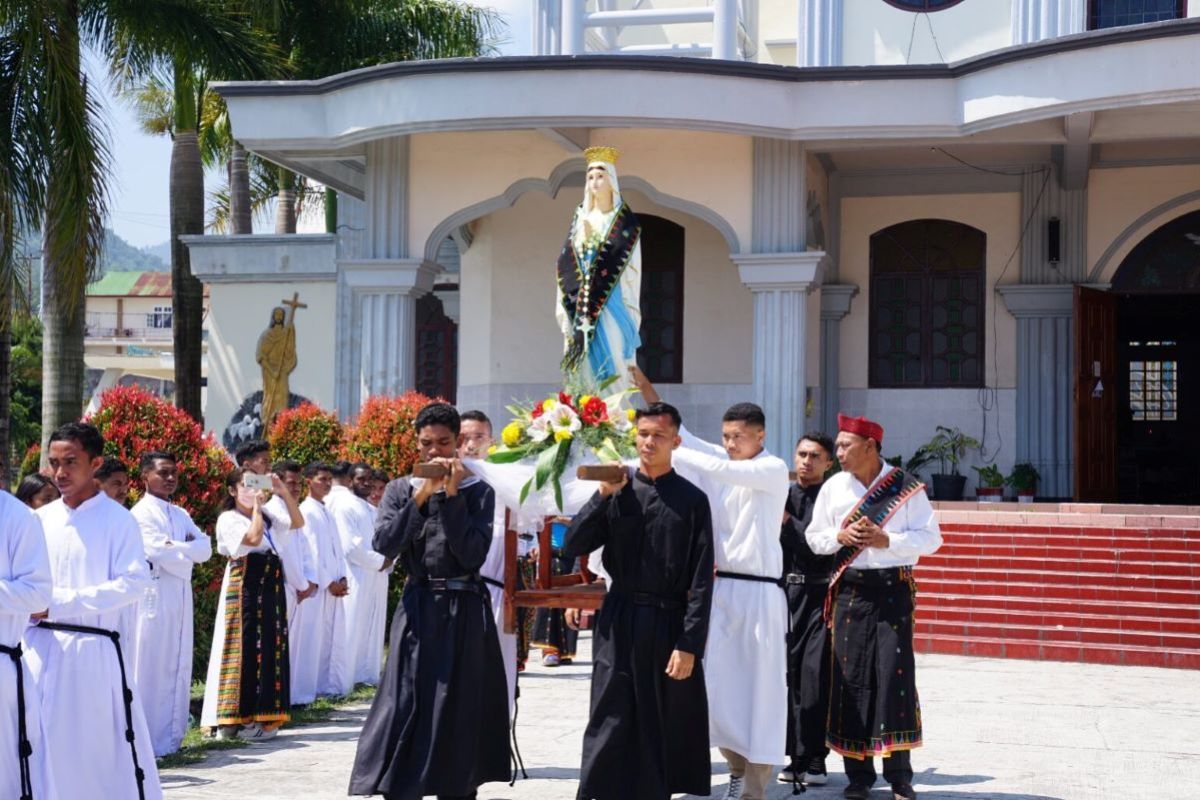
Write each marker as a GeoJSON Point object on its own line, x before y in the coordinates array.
{"type": "Point", "coordinates": [306, 434]}
{"type": "Point", "coordinates": [384, 436]}
{"type": "Point", "coordinates": [31, 461]}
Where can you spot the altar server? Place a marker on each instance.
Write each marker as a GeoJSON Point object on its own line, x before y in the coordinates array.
{"type": "Point", "coordinates": [647, 737]}
{"type": "Point", "coordinates": [439, 723]}
{"type": "Point", "coordinates": [24, 590]}
{"type": "Point", "coordinates": [746, 658]}
{"type": "Point", "coordinates": [300, 574]}
{"type": "Point", "coordinates": [162, 665]}
{"type": "Point", "coordinates": [366, 605]}
{"type": "Point", "coordinates": [877, 521]}
{"type": "Point", "coordinates": [78, 655]}
{"type": "Point", "coordinates": [323, 669]}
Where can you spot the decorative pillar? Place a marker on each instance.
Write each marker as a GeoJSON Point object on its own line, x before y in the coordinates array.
{"type": "Point", "coordinates": [781, 283]}
{"type": "Point", "coordinates": [573, 42]}
{"type": "Point", "coordinates": [835, 305]}
{"type": "Point", "coordinates": [1035, 20]}
{"type": "Point", "coordinates": [725, 24]}
{"type": "Point", "coordinates": [1043, 199]}
{"type": "Point", "coordinates": [819, 38]}
{"type": "Point", "coordinates": [1045, 393]}
{"type": "Point", "coordinates": [378, 285]}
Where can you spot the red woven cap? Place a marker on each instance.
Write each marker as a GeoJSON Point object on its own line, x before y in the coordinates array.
{"type": "Point", "coordinates": [861, 426]}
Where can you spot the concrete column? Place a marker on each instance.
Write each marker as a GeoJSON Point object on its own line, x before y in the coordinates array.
{"type": "Point", "coordinates": [781, 283]}
{"type": "Point", "coordinates": [573, 43]}
{"type": "Point", "coordinates": [725, 23]}
{"type": "Point", "coordinates": [835, 305]}
{"type": "Point", "coordinates": [819, 38]}
{"type": "Point", "coordinates": [1043, 198]}
{"type": "Point", "coordinates": [1045, 402]}
{"type": "Point", "coordinates": [1035, 20]}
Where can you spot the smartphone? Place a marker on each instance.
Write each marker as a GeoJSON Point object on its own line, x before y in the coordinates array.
{"type": "Point", "coordinates": [252, 481]}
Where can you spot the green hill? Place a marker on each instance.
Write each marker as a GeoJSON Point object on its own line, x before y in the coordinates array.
{"type": "Point", "coordinates": [119, 255]}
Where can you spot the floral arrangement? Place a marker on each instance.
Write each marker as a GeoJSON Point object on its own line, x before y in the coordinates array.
{"type": "Point", "coordinates": [548, 432]}
{"type": "Point", "coordinates": [384, 436]}
{"type": "Point", "coordinates": [305, 434]}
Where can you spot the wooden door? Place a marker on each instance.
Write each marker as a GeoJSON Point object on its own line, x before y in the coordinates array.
{"type": "Point", "coordinates": [1095, 395]}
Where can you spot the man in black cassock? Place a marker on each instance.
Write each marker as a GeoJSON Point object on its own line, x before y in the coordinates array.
{"type": "Point", "coordinates": [647, 737]}
{"type": "Point", "coordinates": [439, 723]}
{"type": "Point", "coordinates": [806, 579]}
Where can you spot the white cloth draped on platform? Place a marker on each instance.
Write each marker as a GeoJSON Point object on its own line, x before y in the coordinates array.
{"type": "Point", "coordinates": [162, 663]}
{"type": "Point", "coordinates": [493, 568]}
{"type": "Point", "coordinates": [366, 605]}
{"type": "Point", "coordinates": [745, 662]}
{"type": "Point", "coordinates": [24, 589]}
{"type": "Point", "coordinates": [99, 572]}
{"type": "Point", "coordinates": [317, 666]}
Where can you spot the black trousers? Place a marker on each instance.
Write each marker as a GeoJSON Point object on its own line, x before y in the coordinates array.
{"type": "Point", "coordinates": [897, 768]}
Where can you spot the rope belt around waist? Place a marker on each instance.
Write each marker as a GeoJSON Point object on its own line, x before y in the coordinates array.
{"type": "Point", "coordinates": [744, 576]}
{"type": "Point", "coordinates": [24, 748]}
{"type": "Point", "coordinates": [798, 579]}
{"type": "Point", "coordinates": [876, 577]}
{"type": "Point", "coordinates": [464, 583]}
{"type": "Point", "coordinates": [665, 602]}
{"type": "Point", "coordinates": [126, 693]}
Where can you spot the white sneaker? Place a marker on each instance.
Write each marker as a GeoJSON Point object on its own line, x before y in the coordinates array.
{"type": "Point", "coordinates": [734, 792]}
{"type": "Point", "coordinates": [815, 779]}
{"type": "Point", "coordinates": [787, 775]}
{"type": "Point", "coordinates": [255, 732]}
{"type": "Point", "coordinates": [226, 732]}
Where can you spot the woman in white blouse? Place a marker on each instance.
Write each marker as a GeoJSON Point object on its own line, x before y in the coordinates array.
{"type": "Point", "coordinates": [246, 693]}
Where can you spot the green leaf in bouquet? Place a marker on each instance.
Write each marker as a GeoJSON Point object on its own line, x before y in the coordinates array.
{"type": "Point", "coordinates": [509, 455]}
{"type": "Point", "coordinates": [525, 491]}
{"type": "Point", "coordinates": [557, 492]}
{"type": "Point", "coordinates": [517, 411]}
{"type": "Point", "coordinates": [544, 467]}
{"type": "Point", "coordinates": [607, 451]}
{"type": "Point", "coordinates": [607, 382]}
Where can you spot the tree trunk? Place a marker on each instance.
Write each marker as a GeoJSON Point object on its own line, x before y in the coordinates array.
{"type": "Point", "coordinates": [63, 369]}
{"type": "Point", "coordinates": [331, 203]}
{"type": "Point", "coordinates": [6, 316]}
{"type": "Point", "coordinates": [285, 207]}
{"type": "Point", "coordinates": [239, 192]}
{"type": "Point", "coordinates": [187, 217]}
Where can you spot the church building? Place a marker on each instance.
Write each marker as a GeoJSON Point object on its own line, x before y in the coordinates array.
{"type": "Point", "coordinates": [982, 214]}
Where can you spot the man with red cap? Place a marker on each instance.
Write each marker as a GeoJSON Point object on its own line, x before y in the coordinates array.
{"type": "Point", "coordinates": [877, 521]}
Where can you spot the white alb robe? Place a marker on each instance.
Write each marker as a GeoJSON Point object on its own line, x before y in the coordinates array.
{"type": "Point", "coordinates": [162, 663]}
{"type": "Point", "coordinates": [24, 590]}
{"type": "Point", "coordinates": [366, 609]}
{"type": "Point", "coordinates": [100, 573]}
{"type": "Point", "coordinates": [231, 530]}
{"type": "Point", "coordinates": [745, 661]}
{"type": "Point", "coordinates": [912, 530]}
{"type": "Point", "coordinates": [493, 568]}
{"type": "Point", "coordinates": [317, 666]}
{"type": "Point", "coordinates": [299, 570]}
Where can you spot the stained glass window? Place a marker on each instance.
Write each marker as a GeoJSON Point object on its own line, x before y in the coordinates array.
{"type": "Point", "coordinates": [927, 291]}
{"type": "Point", "coordinates": [1115, 13]}
{"type": "Point", "coordinates": [1165, 262]}
{"type": "Point", "coordinates": [661, 353]}
{"type": "Point", "coordinates": [1153, 383]}
{"type": "Point", "coordinates": [437, 350]}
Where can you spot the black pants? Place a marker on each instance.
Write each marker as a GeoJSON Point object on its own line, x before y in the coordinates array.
{"type": "Point", "coordinates": [897, 768]}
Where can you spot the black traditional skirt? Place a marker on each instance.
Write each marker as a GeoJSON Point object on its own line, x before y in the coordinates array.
{"type": "Point", "coordinates": [550, 631]}
{"type": "Point", "coordinates": [254, 683]}
{"type": "Point", "coordinates": [873, 705]}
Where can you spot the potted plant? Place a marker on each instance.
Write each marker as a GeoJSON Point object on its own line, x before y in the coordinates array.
{"type": "Point", "coordinates": [1024, 480]}
{"type": "Point", "coordinates": [948, 446]}
{"type": "Point", "coordinates": [991, 484]}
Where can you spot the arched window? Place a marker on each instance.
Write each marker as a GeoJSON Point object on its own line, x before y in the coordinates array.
{"type": "Point", "coordinates": [922, 5]}
{"type": "Point", "coordinates": [926, 305]}
{"type": "Point", "coordinates": [661, 353]}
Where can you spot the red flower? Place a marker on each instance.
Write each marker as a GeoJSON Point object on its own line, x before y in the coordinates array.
{"type": "Point", "coordinates": [565, 399]}
{"type": "Point", "coordinates": [594, 412]}
{"type": "Point", "coordinates": [537, 411]}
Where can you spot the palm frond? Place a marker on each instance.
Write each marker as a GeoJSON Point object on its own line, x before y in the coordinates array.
{"type": "Point", "coordinates": [153, 103]}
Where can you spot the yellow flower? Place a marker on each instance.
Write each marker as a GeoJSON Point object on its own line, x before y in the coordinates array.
{"type": "Point", "coordinates": [511, 435]}
{"type": "Point", "coordinates": [583, 401]}
{"type": "Point", "coordinates": [492, 450]}
{"type": "Point", "coordinates": [562, 434]}
{"type": "Point", "coordinates": [630, 414]}
{"type": "Point", "coordinates": [549, 404]}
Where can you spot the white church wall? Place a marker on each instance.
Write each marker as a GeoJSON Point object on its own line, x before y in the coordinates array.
{"type": "Point", "coordinates": [238, 316]}
{"type": "Point", "coordinates": [877, 33]}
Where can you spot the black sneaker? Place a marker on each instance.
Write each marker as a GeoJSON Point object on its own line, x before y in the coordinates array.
{"type": "Point", "coordinates": [903, 791]}
{"type": "Point", "coordinates": [857, 791]}
{"type": "Point", "coordinates": [815, 774]}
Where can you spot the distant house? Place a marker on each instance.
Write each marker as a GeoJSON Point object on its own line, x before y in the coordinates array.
{"type": "Point", "coordinates": [128, 337]}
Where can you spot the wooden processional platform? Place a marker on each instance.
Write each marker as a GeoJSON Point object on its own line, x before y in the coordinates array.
{"type": "Point", "coordinates": [576, 590]}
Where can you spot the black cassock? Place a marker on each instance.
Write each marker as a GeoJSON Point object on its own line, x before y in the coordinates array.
{"type": "Point", "coordinates": [647, 737]}
{"type": "Point", "coordinates": [439, 723]}
{"type": "Point", "coordinates": [808, 636]}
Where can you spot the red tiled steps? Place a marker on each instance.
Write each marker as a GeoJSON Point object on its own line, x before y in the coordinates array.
{"type": "Point", "coordinates": [1095, 654]}
{"type": "Point", "coordinates": [1127, 564]}
{"type": "Point", "coordinates": [1143, 620]}
{"type": "Point", "coordinates": [928, 600]}
{"type": "Point", "coordinates": [1103, 592]}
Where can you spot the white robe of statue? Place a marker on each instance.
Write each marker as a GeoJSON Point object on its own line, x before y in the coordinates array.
{"type": "Point", "coordinates": [162, 663]}
{"type": "Point", "coordinates": [24, 590]}
{"type": "Point", "coordinates": [100, 573]}
{"type": "Point", "coordinates": [745, 660]}
{"type": "Point", "coordinates": [320, 668]}
{"type": "Point", "coordinates": [366, 609]}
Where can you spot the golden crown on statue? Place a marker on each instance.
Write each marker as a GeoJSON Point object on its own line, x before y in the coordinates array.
{"type": "Point", "coordinates": [608, 155]}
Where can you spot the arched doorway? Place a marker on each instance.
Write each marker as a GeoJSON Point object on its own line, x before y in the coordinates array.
{"type": "Point", "coordinates": [1157, 290]}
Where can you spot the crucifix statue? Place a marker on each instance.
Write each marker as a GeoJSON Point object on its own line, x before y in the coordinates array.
{"type": "Point", "coordinates": [276, 355]}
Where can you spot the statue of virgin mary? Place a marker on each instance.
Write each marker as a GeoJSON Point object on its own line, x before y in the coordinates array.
{"type": "Point", "coordinates": [600, 281]}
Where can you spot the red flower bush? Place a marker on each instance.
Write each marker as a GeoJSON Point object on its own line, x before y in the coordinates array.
{"type": "Point", "coordinates": [384, 436]}
{"type": "Point", "coordinates": [306, 434]}
{"type": "Point", "coordinates": [31, 462]}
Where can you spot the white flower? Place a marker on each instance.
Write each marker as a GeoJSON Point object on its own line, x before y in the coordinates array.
{"type": "Point", "coordinates": [562, 418]}
{"type": "Point", "coordinates": [539, 429]}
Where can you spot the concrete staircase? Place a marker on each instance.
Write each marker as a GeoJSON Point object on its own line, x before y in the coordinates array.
{"type": "Point", "coordinates": [1064, 582]}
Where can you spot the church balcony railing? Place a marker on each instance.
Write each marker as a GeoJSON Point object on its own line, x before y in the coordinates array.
{"type": "Point", "coordinates": [577, 27]}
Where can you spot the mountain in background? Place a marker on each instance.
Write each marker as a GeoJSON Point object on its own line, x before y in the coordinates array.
{"type": "Point", "coordinates": [162, 251]}
{"type": "Point", "coordinates": [119, 255]}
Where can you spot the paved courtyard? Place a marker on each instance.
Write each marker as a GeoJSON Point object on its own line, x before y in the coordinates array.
{"type": "Point", "coordinates": [1000, 729]}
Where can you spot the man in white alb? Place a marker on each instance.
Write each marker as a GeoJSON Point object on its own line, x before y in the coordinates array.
{"type": "Point", "coordinates": [300, 576]}
{"type": "Point", "coordinates": [323, 616]}
{"type": "Point", "coordinates": [162, 664]}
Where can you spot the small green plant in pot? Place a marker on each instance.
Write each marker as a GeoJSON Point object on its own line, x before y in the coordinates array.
{"type": "Point", "coordinates": [1024, 480]}
{"type": "Point", "coordinates": [991, 484]}
{"type": "Point", "coordinates": [948, 446]}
